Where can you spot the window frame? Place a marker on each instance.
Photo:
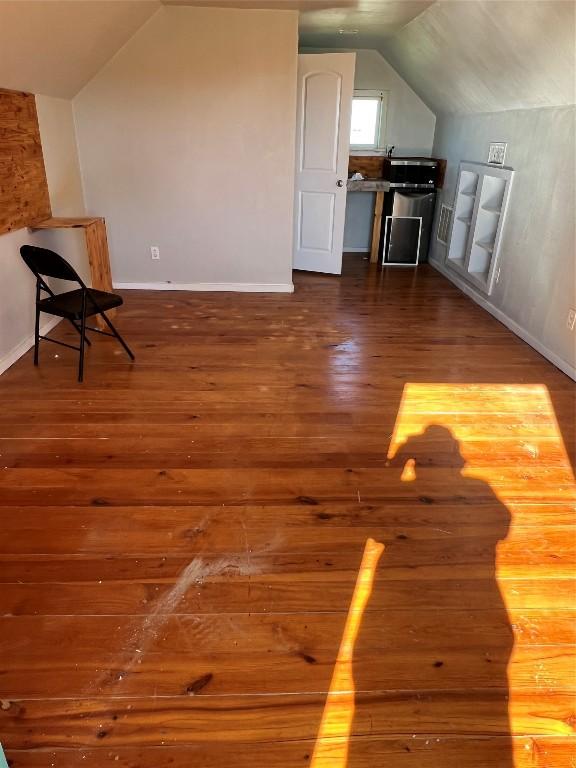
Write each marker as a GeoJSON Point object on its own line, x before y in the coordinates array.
{"type": "Point", "coordinates": [382, 97]}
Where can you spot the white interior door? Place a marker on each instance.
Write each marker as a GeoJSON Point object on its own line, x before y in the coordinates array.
{"type": "Point", "coordinates": [325, 89]}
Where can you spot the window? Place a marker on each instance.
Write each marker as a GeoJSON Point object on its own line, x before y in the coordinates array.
{"type": "Point", "coordinates": [368, 119]}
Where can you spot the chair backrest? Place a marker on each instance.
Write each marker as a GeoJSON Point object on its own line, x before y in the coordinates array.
{"type": "Point", "coordinates": [45, 263]}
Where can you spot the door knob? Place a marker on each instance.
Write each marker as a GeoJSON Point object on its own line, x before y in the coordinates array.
{"type": "Point", "coordinates": [339, 183]}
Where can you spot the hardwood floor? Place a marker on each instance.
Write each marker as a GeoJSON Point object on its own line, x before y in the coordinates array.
{"type": "Point", "coordinates": [181, 538]}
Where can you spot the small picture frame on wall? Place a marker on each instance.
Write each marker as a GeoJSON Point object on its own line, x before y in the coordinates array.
{"type": "Point", "coordinates": [497, 153]}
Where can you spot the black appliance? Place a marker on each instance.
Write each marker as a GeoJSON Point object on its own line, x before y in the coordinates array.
{"type": "Point", "coordinates": [404, 172]}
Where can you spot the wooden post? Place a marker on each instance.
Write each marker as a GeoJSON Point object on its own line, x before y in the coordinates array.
{"type": "Point", "coordinates": [377, 227]}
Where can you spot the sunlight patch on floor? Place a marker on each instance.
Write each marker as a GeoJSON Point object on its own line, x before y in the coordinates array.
{"type": "Point", "coordinates": [499, 427]}
{"type": "Point", "coordinates": [331, 749]}
{"type": "Point", "coordinates": [496, 446]}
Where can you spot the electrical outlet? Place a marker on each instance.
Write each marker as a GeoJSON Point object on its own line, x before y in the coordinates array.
{"type": "Point", "coordinates": [571, 321]}
{"type": "Point", "coordinates": [155, 252]}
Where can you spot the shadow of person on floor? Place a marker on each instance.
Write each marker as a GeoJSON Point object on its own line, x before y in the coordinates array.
{"type": "Point", "coordinates": [436, 653]}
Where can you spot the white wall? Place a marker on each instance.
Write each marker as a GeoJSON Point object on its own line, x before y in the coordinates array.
{"type": "Point", "coordinates": [409, 127]}
{"type": "Point", "coordinates": [17, 289]}
{"type": "Point", "coordinates": [186, 141]}
{"type": "Point", "coordinates": [537, 257]}
{"type": "Point", "coordinates": [410, 123]}
{"type": "Point", "coordinates": [58, 136]}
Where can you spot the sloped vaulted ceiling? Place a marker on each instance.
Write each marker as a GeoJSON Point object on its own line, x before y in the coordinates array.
{"type": "Point", "coordinates": [54, 47]}
{"type": "Point", "coordinates": [458, 55]}
{"type": "Point", "coordinates": [488, 55]}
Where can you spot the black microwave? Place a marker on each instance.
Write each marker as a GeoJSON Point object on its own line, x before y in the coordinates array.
{"type": "Point", "coordinates": [411, 172]}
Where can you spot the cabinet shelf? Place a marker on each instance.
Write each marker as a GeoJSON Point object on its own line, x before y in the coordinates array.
{"type": "Point", "coordinates": [459, 262]}
{"type": "Point", "coordinates": [482, 193]}
{"type": "Point", "coordinates": [481, 276]}
{"type": "Point", "coordinates": [488, 246]}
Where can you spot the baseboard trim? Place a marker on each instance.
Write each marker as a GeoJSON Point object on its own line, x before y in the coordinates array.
{"type": "Point", "coordinates": [356, 250]}
{"type": "Point", "coordinates": [20, 349]}
{"type": "Point", "coordinates": [512, 325]}
{"type": "Point", "coordinates": [210, 287]}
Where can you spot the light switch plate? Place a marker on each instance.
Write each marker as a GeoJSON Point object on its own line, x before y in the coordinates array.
{"type": "Point", "coordinates": [497, 153]}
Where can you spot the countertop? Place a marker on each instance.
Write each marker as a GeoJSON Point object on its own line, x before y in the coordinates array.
{"type": "Point", "coordinates": [368, 185]}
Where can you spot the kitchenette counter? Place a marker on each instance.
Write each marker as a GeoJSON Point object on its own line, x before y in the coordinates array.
{"type": "Point", "coordinates": [380, 187]}
{"type": "Point", "coordinates": [368, 185]}
{"type": "Point", "coordinates": [373, 169]}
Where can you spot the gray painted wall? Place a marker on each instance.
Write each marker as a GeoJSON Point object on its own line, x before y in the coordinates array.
{"type": "Point", "coordinates": [537, 259]}
{"type": "Point", "coordinates": [359, 221]}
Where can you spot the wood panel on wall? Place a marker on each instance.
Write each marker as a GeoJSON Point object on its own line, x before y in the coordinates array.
{"type": "Point", "coordinates": [24, 198]}
{"type": "Point", "coordinates": [370, 166]}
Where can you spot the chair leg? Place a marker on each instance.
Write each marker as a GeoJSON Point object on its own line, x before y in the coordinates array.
{"type": "Point", "coordinates": [82, 340]}
{"type": "Point", "coordinates": [80, 332]}
{"type": "Point", "coordinates": [120, 339]}
{"type": "Point", "coordinates": [36, 335]}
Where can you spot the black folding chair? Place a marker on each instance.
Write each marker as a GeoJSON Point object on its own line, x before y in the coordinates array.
{"type": "Point", "coordinates": [75, 306]}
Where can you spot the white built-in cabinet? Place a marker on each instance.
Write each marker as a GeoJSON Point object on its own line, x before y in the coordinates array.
{"type": "Point", "coordinates": [482, 194]}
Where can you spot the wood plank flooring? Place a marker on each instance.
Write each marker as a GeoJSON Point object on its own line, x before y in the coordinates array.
{"type": "Point", "coordinates": [181, 538]}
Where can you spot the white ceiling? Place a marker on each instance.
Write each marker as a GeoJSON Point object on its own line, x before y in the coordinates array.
{"type": "Point", "coordinates": [458, 55]}
{"type": "Point", "coordinates": [488, 55]}
{"type": "Point", "coordinates": [322, 20]}
{"type": "Point", "coordinates": [54, 47]}
{"type": "Point", "coordinates": [359, 23]}
{"type": "Point", "coordinates": [275, 5]}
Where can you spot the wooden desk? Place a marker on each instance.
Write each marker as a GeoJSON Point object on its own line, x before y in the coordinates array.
{"type": "Point", "coordinates": [96, 245]}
